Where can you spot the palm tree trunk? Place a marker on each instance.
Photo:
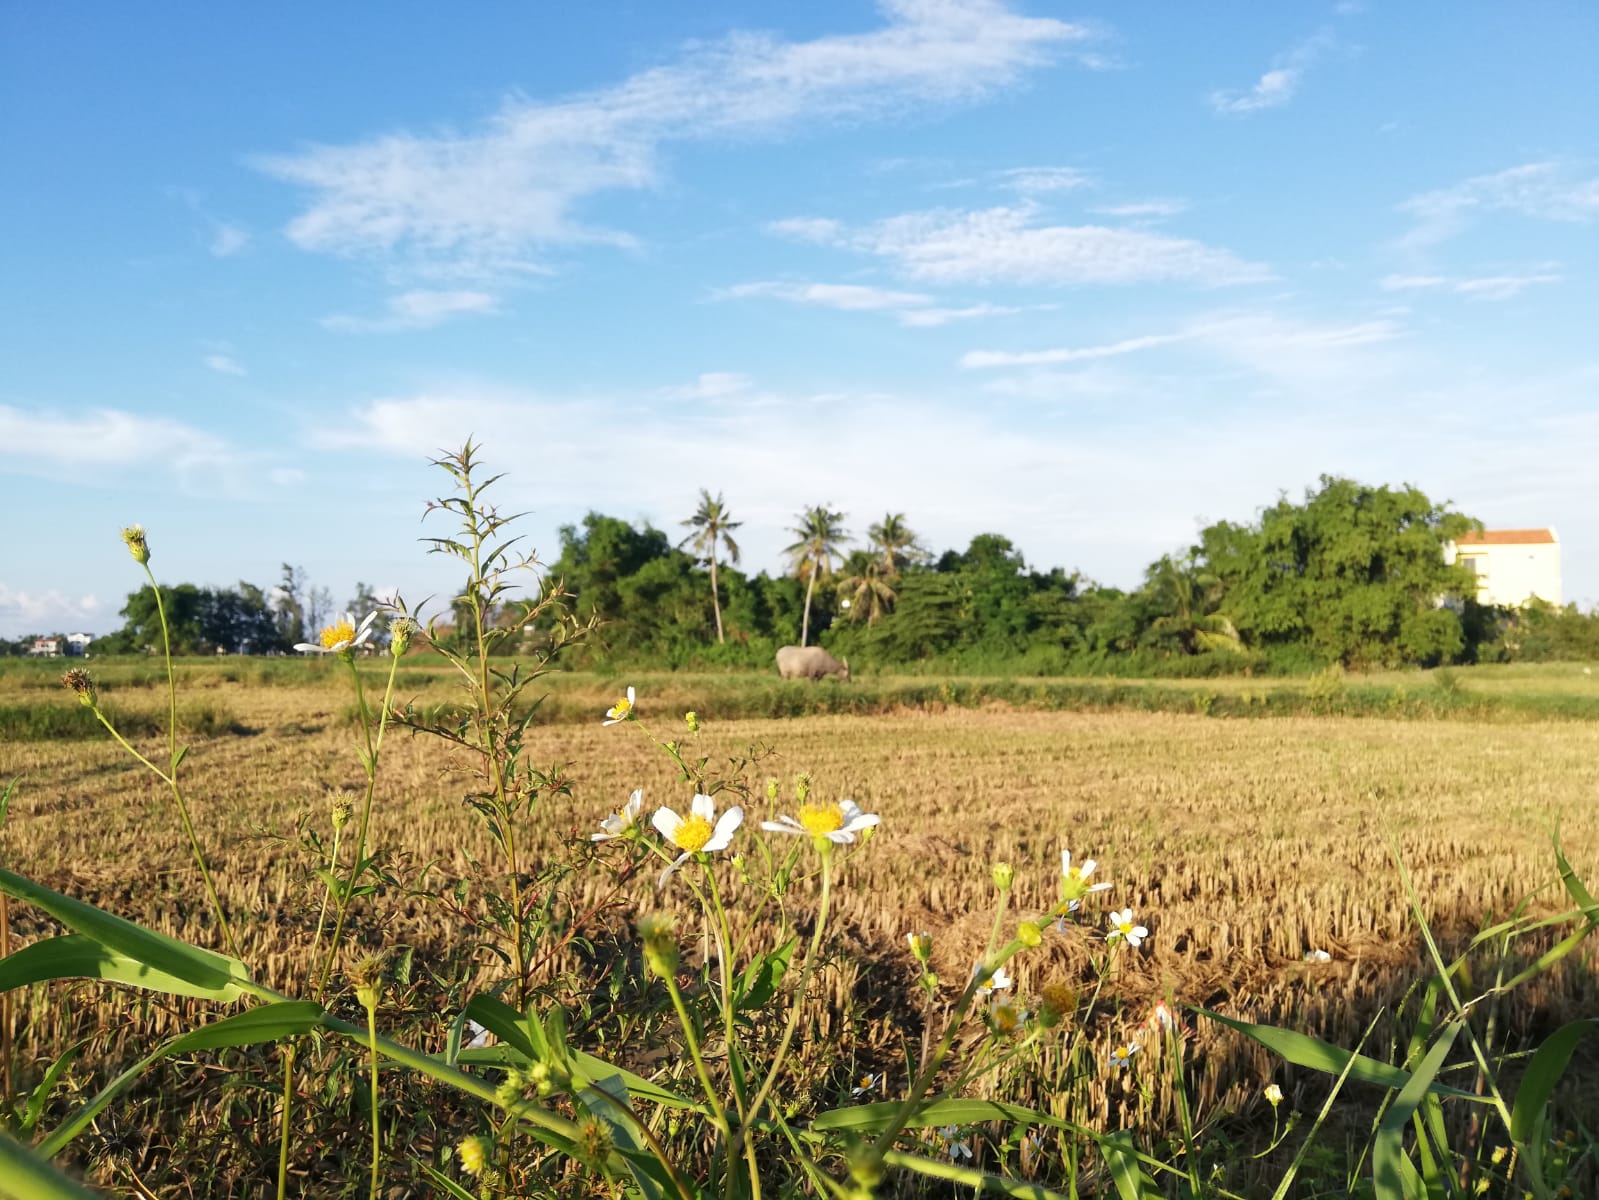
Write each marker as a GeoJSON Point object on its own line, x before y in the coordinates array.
{"type": "Point", "coordinates": [716, 602]}
{"type": "Point", "coordinates": [805, 625]}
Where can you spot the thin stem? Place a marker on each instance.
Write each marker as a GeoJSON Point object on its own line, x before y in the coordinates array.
{"type": "Point", "coordinates": [172, 681]}
{"type": "Point", "coordinates": [372, 1044]}
{"type": "Point", "coordinates": [284, 1126]}
{"type": "Point", "coordinates": [718, 1113]}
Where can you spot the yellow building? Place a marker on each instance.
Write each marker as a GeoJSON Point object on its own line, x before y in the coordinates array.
{"type": "Point", "coordinates": [1512, 565]}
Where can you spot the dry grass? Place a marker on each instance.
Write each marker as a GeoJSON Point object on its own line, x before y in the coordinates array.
{"type": "Point", "coordinates": [1242, 844]}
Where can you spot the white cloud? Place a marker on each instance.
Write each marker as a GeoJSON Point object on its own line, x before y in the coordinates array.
{"type": "Point", "coordinates": [224, 364]}
{"type": "Point", "coordinates": [287, 477]}
{"type": "Point", "coordinates": [227, 240]}
{"type": "Point", "coordinates": [482, 200]}
{"type": "Point", "coordinates": [1488, 287]}
{"type": "Point", "coordinates": [106, 437]}
{"type": "Point", "coordinates": [712, 385]}
{"type": "Point", "coordinates": [1277, 86]}
{"type": "Point", "coordinates": [922, 318]}
{"type": "Point", "coordinates": [1546, 191]}
{"type": "Point", "coordinates": [47, 612]}
{"type": "Point", "coordinates": [1032, 181]}
{"type": "Point", "coordinates": [417, 310]}
{"type": "Point", "coordinates": [1152, 210]}
{"type": "Point", "coordinates": [846, 296]}
{"type": "Point", "coordinates": [1275, 347]}
{"type": "Point", "coordinates": [1004, 245]}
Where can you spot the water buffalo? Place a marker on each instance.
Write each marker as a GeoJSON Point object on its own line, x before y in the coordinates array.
{"type": "Point", "coordinates": [809, 662]}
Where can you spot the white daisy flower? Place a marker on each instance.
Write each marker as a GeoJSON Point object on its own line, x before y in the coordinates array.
{"type": "Point", "coordinates": [621, 711]}
{"type": "Point", "coordinates": [478, 1036]}
{"type": "Point", "coordinates": [619, 823]}
{"type": "Point", "coordinates": [1074, 880]}
{"type": "Point", "coordinates": [1123, 926]}
{"type": "Point", "coordinates": [1122, 1055]}
{"type": "Point", "coordinates": [954, 1147]}
{"type": "Point", "coordinates": [998, 980]}
{"type": "Point", "coordinates": [701, 832]}
{"type": "Point", "coordinates": [867, 1085]}
{"type": "Point", "coordinates": [341, 635]}
{"type": "Point", "coordinates": [838, 823]}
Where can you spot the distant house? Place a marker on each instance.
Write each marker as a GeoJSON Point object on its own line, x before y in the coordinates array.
{"type": "Point", "coordinates": [78, 644]}
{"type": "Point", "coordinates": [1511, 565]}
{"type": "Point", "coordinates": [45, 647]}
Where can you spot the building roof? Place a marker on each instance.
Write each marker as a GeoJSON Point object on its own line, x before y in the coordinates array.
{"type": "Point", "coordinates": [1509, 537]}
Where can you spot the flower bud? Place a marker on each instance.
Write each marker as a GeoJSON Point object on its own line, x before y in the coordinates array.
{"type": "Point", "coordinates": [472, 1154]}
{"type": "Point", "coordinates": [78, 682]}
{"type": "Point", "coordinates": [400, 631]}
{"type": "Point", "coordinates": [802, 787]}
{"type": "Point", "coordinates": [921, 945]}
{"type": "Point", "coordinates": [133, 537]}
{"type": "Point", "coordinates": [511, 1088]}
{"type": "Point", "coordinates": [1274, 1095]}
{"type": "Point", "coordinates": [771, 790]}
{"type": "Point", "coordinates": [1057, 1000]}
{"type": "Point", "coordinates": [661, 950]}
{"type": "Point", "coordinates": [594, 1140]}
{"type": "Point", "coordinates": [692, 721]}
{"type": "Point", "coordinates": [1029, 934]}
{"type": "Point", "coordinates": [1004, 876]}
{"type": "Point", "coordinates": [367, 975]}
{"type": "Point", "coordinates": [343, 806]}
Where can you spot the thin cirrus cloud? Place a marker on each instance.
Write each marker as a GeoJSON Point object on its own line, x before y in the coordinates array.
{"type": "Point", "coordinates": [1546, 191]}
{"type": "Point", "coordinates": [106, 437]}
{"type": "Point", "coordinates": [481, 202]}
{"type": "Point", "coordinates": [227, 240]}
{"type": "Point", "coordinates": [1487, 287]}
{"type": "Point", "coordinates": [1008, 245]}
{"type": "Point", "coordinates": [224, 364]}
{"type": "Point", "coordinates": [915, 309]}
{"type": "Point", "coordinates": [416, 310]}
{"type": "Point", "coordinates": [1278, 85]}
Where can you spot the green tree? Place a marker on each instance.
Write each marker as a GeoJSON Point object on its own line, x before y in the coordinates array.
{"type": "Point", "coordinates": [821, 539]}
{"type": "Point", "coordinates": [711, 525]}
{"type": "Point", "coordinates": [1186, 594]}
{"type": "Point", "coordinates": [894, 540]}
{"type": "Point", "coordinates": [864, 585]}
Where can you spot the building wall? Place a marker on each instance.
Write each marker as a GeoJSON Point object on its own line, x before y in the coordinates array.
{"type": "Point", "coordinates": [1512, 575]}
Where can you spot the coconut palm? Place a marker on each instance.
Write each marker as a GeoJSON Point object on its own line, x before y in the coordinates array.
{"type": "Point", "coordinates": [710, 526]}
{"type": "Point", "coordinates": [865, 587]}
{"type": "Point", "coordinates": [1187, 592]}
{"type": "Point", "coordinates": [821, 537]}
{"type": "Point", "coordinates": [895, 541]}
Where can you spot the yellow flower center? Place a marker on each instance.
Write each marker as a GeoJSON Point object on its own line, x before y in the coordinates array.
{"type": "Point", "coordinates": [692, 834]}
{"type": "Point", "coordinates": [1126, 927]}
{"type": "Point", "coordinates": [339, 631]}
{"type": "Point", "coordinates": [822, 819]}
{"type": "Point", "coordinates": [620, 709]}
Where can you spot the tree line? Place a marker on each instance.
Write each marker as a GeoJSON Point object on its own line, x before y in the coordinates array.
{"type": "Point", "coordinates": [1351, 574]}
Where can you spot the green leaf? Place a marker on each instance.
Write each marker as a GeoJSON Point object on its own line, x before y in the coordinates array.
{"type": "Point", "coordinates": [607, 1099]}
{"type": "Point", "coordinates": [940, 1112]}
{"type": "Point", "coordinates": [1393, 1175]}
{"type": "Point", "coordinates": [759, 981]}
{"type": "Point", "coordinates": [268, 1023]}
{"type": "Point", "coordinates": [504, 1022]}
{"type": "Point", "coordinates": [969, 1177]}
{"type": "Point", "coordinates": [41, 1093]}
{"type": "Point", "coordinates": [1575, 889]}
{"type": "Point", "coordinates": [202, 968]}
{"type": "Point", "coordinates": [1305, 1051]}
{"type": "Point", "coordinates": [1544, 1070]}
{"type": "Point", "coordinates": [588, 1069]}
{"type": "Point", "coordinates": [1122, 1159]}
{"type": "Point", "coordinates": [5, 799]}
{"type": "Point", "coordinates": [26, 1176]}
{"type": "Point", "coordinates": [73, 956]}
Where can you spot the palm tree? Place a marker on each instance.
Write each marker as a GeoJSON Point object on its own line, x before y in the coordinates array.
{"type": "Point", "coordinates": [1188, 593]}
{"type": "Point", "coordinates": [821, 537]}
{"type": "Point", "coordinates": [710, 525]}
{"type": "Point", "coordinates": [894, 540]}
{"type": "Point", "coordinates": [866, 589]}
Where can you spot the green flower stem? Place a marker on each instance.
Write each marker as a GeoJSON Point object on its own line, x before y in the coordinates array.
{"type": "Point", "coordinates": [925, 1077]}
{"type": "Point", "coordinates": [284, 1125]}
{"type": "Point", "coordinates": [333, 869]}
{"type": "Point", "coordinates": [372, 1045]}
{"type": "Point", "coordinates": [370, 762]}
{"type": "Point", "coordinates": [718, 1113]}
{"type": "Point", "coordinates": [188, 827]}
{"type": "Point", "coordinates": [723, 941]}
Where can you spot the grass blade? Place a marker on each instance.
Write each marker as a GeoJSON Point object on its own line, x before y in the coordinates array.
{"type": "Point", "coordinates": [968, 1176]}
{"type": "Point", "coordinates": [1393, 1175]}
{"type": "Point", "coordinates": [26, 1176]}
{"type": "Point", "coordinates": [73, 956]}
{"type": "Point", "coordinates": [1544, 1071]}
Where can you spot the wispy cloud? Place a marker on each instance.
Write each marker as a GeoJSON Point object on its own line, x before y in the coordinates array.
{"type": "Point", "coordinates": [1033, 181]}
{"type": "Point", "coordinates": [417, 310]}
{"type": "Point", "coordinates": [227, 240]}
{"type": "Point", "coordinates": [1005, 245]}
{"type": "Point", "coordinates": [1144, 210]}
{"type": "Point", "coordinates": [1279, 84]}
{"type": "Point", "coordinates": [1487, 287]}
{"type": "Point", "coordinates": [483, 200]}
{"type": "Point", "coordinates": [1547, 191]}
{"type": "Point", "coordinates": [916, 309]}
{"type": "Point", "coordinates": [224, 364]}
{"type": "Point", "coordinates": [106, 437]}
{"type": "Point", "coordinates": [711, 385]}
{"type": "Point", "coordinates": [1273, 346]}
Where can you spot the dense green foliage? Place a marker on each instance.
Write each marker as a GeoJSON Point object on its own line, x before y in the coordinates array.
{"type": "Point", "coordinates": [1351, 575]}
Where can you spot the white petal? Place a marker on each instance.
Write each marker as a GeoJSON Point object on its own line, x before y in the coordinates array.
{"type": "Point", "coordinates": [790, 826]}
{"type": "Point", "coordinates": [725, 828]}
{"type": "Point", "coordinates": [1088, 867]}
{"type": "Point", "coordinates": [667, 874]}
{"type": "Point", "coordinates": [859, 822]}
{"type": "Point", "coordinates": [705, 807]}
{"type": "Point", "coordinates": [668, 823]}
{"type": "Point", "coordinates": [634, 803]}
{"type": "Point", "coordinates": [1065, 862]}
{"type": "Point", "coordinates": [366, 625]}
{"type": "Point", "coordinates": [310, 647]}
{"type": "Point", "coordinates": [630, 697]}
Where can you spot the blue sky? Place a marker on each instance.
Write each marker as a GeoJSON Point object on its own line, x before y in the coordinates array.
{"type": "Point", "coordinates": [1090, 277]}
